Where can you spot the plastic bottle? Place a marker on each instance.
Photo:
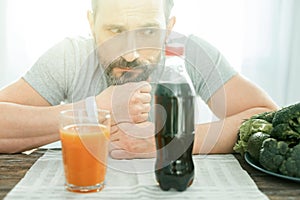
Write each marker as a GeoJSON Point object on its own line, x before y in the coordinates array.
{"type": "Point", "coordinates": [174, 124]}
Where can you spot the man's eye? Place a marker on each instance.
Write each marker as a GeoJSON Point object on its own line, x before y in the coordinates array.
{"type": "Point", "coordinates": [115, 30]}
{"type": "Point", "coordinates": [148, 31]}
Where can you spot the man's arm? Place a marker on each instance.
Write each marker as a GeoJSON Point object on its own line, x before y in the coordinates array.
{"type": "Point", "coordinates": [236, 101]}
{"type": "Point", "coordinates": [28, 121]}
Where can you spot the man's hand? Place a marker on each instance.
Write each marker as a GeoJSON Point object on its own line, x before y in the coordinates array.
{"type": "Point", "coordinates": [130, 141]}
{"type": "Point", "coordinates": [127, 103]}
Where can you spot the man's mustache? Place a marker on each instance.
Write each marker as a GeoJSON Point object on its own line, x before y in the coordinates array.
{"type": "Point", "coordinates": [122, 63]}
{"type": "Point", "coordinates": [144, 70]}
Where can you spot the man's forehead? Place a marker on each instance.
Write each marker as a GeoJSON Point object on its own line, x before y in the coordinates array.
{"type": "Point", "coordinates": [121, 4]}
{"type": "Point", "coordinates": [124, 12]}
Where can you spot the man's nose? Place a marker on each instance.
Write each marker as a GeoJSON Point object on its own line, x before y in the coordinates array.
{"type": "Point", "coordinates": [132, 56]}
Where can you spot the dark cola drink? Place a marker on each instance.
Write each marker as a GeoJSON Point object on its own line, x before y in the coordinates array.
{"type": "Point", "coordinates": [174, 126]}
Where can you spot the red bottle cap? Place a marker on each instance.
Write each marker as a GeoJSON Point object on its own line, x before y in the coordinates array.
{"type": "Point", "coordinates": [174, 50]}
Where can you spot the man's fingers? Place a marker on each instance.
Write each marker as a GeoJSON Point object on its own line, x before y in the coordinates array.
{"type": "Point", "coordinates": [121, 154]}
{"type": "Point", "coordinates": [114, 137]}
{"type": "Point", "coordinates": [113, 129]}
{"type": "Point", "coordinates": [143, 86]}
{"type": "Point", "coordinates": [133, 141]}
{"type": "Point", "coordinates": [140, 98]}
{"type": "Point", "coordinates": [140, 108]}
{"type": "Point", "coordinates": [140, 118]}
{"type": "Point", "coordinates": [146, 88]}
{"type": "Point", "coordinates": [145, 97]}
{"type": "Point", "coordinates": [146, 108]}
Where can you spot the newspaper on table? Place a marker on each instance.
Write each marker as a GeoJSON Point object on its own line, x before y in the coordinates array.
{"type": "Point", "coordinates": [216, 177]}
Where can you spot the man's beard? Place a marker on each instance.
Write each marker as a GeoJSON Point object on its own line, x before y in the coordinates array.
{"type": "Point", "coordinates": [134, 71]}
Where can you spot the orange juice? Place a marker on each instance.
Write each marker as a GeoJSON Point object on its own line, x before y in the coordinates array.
{"type": "Point", "coordinates": [85, 149]}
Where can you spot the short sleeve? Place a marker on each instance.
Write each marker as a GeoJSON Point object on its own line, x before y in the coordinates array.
{"type": "Point", "coordinates": [49, 75]}
{"type": "Point", "coordinates": [207, 67]}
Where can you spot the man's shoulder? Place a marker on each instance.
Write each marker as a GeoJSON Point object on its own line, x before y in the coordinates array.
{"type": "Point", "coordinates": [202, 46]}
{"type": "Point", "coordinates": [197, 39]}
{"type": "Point", "coordinates": [70, 46]}
{"type": "Point", "coordinates": [79, 42]}
{"type": "Point", "coordinates": [189, 40]}
{"type": "Point", "coordinates": [77, 48]}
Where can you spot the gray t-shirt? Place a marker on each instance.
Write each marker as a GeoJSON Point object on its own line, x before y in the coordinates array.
{"type": "Point", "coordinates": [70, 70]}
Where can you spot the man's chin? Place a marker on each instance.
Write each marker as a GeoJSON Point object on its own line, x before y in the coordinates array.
{"type": "Point", "coordinates": [127, 78]}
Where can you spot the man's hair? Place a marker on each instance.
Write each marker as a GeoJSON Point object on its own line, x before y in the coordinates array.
{"type": "Point", "coordinates": [168, 5]}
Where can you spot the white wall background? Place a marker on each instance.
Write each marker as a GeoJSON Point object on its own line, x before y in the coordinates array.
{"type": "Point", "coordinates": [2, 42]}
{"type": "Point", "coordinates": [260, 38]}
{"type": "Point", "coordinates": [217, 21]}
{"type": "Point", "coordinates": [271, 47]}
{"type": "Point", "coordinates": [30, 27]}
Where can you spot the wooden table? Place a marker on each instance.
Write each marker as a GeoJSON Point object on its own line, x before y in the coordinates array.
{"type": "Point", "coordinates": [14, 167]}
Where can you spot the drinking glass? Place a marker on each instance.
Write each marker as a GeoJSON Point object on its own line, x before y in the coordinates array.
{"type": "Point", "coordinates": [85, 138]}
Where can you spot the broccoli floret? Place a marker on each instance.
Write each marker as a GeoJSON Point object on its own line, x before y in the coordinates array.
{"type": "Point", "coordinates": [248, 128]}
{"type": "Point", "coordinates": [284, 132]}
{"type": "Point", "coordinates": [268, 116]}
{"type": "Point", "coordinates": [255, 143]}
{"type": "Point", "coordinates": [288, 115]}
{"type": "Point", "coordinates": [291, 166]}
{"type": "Point", "coordinates": [272, 154]}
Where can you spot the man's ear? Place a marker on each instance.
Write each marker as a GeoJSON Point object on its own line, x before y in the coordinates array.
{"type": "Point", "coordinates": [90, 16]}
{"type": "Point", "coordinates": [171, 23]}
{"type": "Point", "coordinates": [170, 26]}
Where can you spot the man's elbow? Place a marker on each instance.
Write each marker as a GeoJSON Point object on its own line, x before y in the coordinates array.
{"type": "Point", "coordinates": [271, 106]}
{"type": "Point", "coordinates": [11, 146]}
